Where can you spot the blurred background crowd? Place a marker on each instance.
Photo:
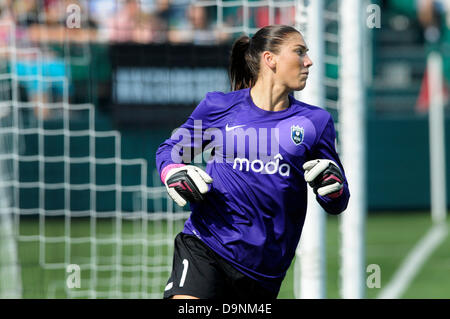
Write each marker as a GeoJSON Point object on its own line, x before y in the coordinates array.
{"type": "Point", "coordinates": [409, 29]}
{"type": "Point", "coordinates": [141, 21]}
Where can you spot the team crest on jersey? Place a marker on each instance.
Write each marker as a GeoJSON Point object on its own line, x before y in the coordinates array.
{"type": "Point", "coordinates": [297, 134]}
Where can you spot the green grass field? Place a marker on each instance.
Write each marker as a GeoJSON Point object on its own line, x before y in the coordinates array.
{"type": "Point", "coordinates": [390, 236]}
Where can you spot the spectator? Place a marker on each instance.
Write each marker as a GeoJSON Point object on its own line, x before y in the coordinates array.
{"type": "Point", "coordinates": [161, 16]}
{"type": "Point", "coordinates": [130, 24]}
{"type": "Point", "coordinates": [100, 11]}
{"type": "Point", "coordinates": [52, 26]}
{"type": "Point", "coordinates": [434, 15]}
{"type": "Point", "coordinates": [6, 17]}
{"type": "Point", "coordinates": [260, 16]}
{"type": "Point", "coordinates": [199, 28]}
{"type": "Point", "coordinates": [22, 14]}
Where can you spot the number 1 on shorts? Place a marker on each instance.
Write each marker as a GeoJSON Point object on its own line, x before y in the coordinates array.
{"type": "Point", "coordinates": [183, 275]}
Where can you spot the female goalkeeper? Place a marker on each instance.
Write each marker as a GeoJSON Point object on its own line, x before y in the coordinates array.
{"type": "Point", "coordinates": [249, 207]}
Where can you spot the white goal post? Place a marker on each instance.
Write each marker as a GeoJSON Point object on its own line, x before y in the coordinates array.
{"type": "Point", "coordinates": [353, 139]}
{"type": "Point", "coordinates": [311, 251]}
{"type": "Point", "coordinates": [436, 124]}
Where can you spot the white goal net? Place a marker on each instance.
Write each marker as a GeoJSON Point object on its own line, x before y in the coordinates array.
{"type": "Point", "coordinates": [69, 197]}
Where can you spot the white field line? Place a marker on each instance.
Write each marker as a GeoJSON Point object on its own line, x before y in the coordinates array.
{"type": "Point", "coordinates": [414, 261]}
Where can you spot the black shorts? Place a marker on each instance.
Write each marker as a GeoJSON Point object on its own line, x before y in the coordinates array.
{"type": "Point", "coordinates": [200, 272]}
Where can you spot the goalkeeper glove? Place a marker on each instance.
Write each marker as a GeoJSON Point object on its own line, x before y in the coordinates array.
{"type": "Point", "coordinates": [325, 177]}
{"type": "Point", "coordinates": [187, 183]}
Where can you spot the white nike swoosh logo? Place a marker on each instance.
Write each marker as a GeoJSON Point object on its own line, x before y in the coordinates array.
{"type": "Point", "coordinates": [229, 128]}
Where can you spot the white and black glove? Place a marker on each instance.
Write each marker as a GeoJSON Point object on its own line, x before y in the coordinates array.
{"type": "Point", "coordinates": [325, 177]}
{"type": "Point", "coordinates": [187, 184]}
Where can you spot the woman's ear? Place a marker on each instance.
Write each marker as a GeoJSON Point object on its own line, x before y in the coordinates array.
{"type": "Point", "coordinates": [269, 59]}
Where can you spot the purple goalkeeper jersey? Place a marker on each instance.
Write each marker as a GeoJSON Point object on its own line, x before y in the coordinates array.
{"type": "Point", "coordinates": [254, 211]}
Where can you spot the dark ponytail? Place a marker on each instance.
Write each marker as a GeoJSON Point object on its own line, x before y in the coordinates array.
{"type": "Point", "coordinates": [245, 54]}
{"type": "Point", "coordinates": [240, 75]}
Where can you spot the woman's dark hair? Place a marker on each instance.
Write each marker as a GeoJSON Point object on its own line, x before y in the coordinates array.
{"type": "Point", "coordinates": [246, 51]}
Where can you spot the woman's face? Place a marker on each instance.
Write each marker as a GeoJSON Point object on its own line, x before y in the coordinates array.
{"type": "Point", "coordinates": [293, 63]}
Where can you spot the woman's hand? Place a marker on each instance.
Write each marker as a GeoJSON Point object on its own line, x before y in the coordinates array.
{"type": "Point", "coordinates": [187, 183]}
{"type": "Point", "coordinates": [325, 177]}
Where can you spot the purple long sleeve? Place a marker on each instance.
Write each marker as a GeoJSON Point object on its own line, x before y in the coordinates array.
{"type": "Point", "coordinates": [325, 148]}
{"type": "Point", "coordinates": [254, 212]}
